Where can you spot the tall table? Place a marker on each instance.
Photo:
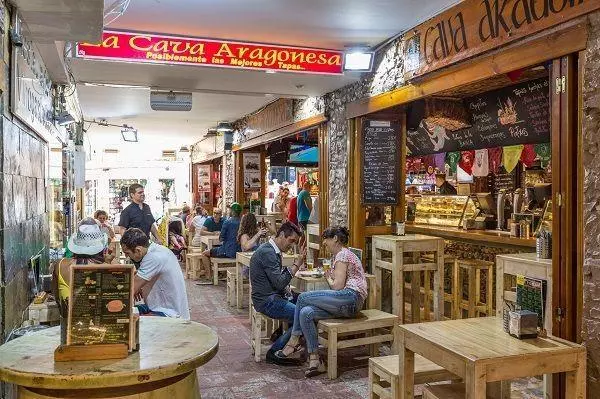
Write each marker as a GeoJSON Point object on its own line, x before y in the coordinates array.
{"type": "Point", "coordinates": [480, 352]}
{"type": "Point", "coordinates": [243, 259]}
{"type": "Point", "coordinates": [400, 263]}
{"type": "Point", "coordinates": [165, 366]}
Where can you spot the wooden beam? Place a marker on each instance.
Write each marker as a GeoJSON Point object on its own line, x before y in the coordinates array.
{"type": "Point", "coordinates": [566, 39]}
{"type": "Point", "coordinates": [283, 132]}
{"type": "Point", "coordinates": [323, 177]}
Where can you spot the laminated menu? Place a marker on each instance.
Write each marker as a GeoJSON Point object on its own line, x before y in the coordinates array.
{"type": "Point", "coordinates": [531, 295]}
{"type": "Point", "coordinates": [100, 306]}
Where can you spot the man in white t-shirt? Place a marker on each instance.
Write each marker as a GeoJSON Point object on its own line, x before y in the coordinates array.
{"type": "Point", "coordinates": [159, 279]}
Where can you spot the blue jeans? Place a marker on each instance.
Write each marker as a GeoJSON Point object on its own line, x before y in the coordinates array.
{"type": "Point", "coordinates": [318, 305]}
{"type": "Point", "coordinates": [281, 309]}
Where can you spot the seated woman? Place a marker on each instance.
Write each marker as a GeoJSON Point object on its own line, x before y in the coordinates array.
{"type": "Point", "coordinates": [88, 245]}
{"type": "Point", "coordinates": [345, 299]}
{"type": "Point", "coordinates": [176, 241]}
{"type": "Point", "coordinates": [102, 219]}
{"type": "Point", "coordinates": [249, 235]}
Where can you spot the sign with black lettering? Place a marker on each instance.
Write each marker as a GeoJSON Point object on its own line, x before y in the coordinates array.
{"type": "Point", "coordinates": [380, 151]}
{"type": "Point", "coordinates": [476, 26]}
{"type": "Point", "coordinates": [100, 305]}
{"type": "Point", "coordinates": [517, 114]}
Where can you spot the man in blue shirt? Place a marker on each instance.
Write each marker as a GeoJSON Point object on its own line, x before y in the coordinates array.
{"type": "Point", "coordinates": [304, 203]}
{"type": "Point", "coordinates": [214, 223]}
{"type": "Point", "coordinates": [228, 237]}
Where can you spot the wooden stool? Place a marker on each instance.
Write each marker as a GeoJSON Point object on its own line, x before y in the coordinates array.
{"type": "Point", "coordinates": [262, 328]}
{"type": "Point", "coordinates": [192, 266]}
{"type": "Point", "coordinates": [221, 264]}
{"type": "Point", "coordinates": [473, 305]}
{"type": "Point", "coordinates": [231, 279]}
{"type": "Point", "coordinates": [384, 375]}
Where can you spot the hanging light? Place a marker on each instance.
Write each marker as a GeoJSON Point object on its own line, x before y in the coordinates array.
{"type": "Point", "coordinates": [129, 134]}
{"type": "Point", "coordinates": [358, 60]}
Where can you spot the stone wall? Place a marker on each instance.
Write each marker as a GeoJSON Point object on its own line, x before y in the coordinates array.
{"type": "Point", "coordinates": [591, 186]}
{"type": "Point", "coordinates": [228, 179]}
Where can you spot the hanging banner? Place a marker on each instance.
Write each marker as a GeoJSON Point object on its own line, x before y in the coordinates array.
{"type": "Point", "coordinates": [476, 26]}
{"type": "Point", "coordinates": [163, 49]}
{"type": "Point", "coordinates": [203, 178]}
{"type": "Point", "coordinates": [252, 172]}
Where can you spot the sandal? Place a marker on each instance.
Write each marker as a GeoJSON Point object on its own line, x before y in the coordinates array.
{"type": "Point", "coordinates": [293, 355]}
{"type": "Point", "coordinates": [315, 370]}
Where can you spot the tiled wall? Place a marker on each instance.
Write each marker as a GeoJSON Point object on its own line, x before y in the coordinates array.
{"type": "Point", "coordinates": [24, 228]}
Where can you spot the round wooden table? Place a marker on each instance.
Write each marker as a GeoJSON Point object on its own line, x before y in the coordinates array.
{"type": "Point", "coordinates": [165, 366]}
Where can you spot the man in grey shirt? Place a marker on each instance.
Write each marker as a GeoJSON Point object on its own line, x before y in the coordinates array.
{"type": "Point", "coordinates": [270, 281]}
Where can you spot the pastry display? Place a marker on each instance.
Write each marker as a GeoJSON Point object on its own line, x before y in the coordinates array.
{"type": "Point", "coordinates": [440, 210]}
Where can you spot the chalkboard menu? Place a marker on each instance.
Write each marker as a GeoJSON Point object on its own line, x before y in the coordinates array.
{"type": "Point", "coordinates": [100, 305]}
{"type": "Point", "coordinates": [518, 114]}
{"type": "Point", "coordinates": [380, 152]}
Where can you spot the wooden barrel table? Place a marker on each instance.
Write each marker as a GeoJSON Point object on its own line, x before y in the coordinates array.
{"type": "Point", "coordinates": [164, 367]}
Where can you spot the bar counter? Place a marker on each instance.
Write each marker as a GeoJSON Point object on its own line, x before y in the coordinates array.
{"type": "Point", "coordinates": [490, 238]}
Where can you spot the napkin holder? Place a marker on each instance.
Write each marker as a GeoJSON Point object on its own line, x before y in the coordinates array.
{"type": "Point", "coordinates": [523, 324]}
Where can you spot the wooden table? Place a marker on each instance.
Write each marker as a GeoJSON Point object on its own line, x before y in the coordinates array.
{"type": "Point", "coordinates": [397, 265]}
{"type": "Point", "coordinates": [304, 283]}
{"type": "Point", "coordinates": [165, 366]}
{"type": "Point", "coordinates": [210, 240]}
{"type": "Point", "coordinates": [243, 259]}
{"type": "Point", "coordinates": [480, 352]}
{"type": "Point", "coordinates": [115, 245]}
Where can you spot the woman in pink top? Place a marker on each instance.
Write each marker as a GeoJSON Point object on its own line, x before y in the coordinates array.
{"type": "Point", "coordinates": [345, 299]}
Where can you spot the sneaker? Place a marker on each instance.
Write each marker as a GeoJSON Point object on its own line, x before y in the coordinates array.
{"type": "Point", "coordinates": [272, 358]}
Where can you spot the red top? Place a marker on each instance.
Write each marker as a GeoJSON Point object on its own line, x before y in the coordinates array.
{"type": "Point", "coordinates": [293, 210]}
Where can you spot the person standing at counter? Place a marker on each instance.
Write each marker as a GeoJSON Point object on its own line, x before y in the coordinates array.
{"type": "Point", "coordinates": [444, 187]}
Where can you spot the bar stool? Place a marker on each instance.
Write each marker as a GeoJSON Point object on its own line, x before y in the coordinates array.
{"type": "Point", "coordinates": [473, 304]}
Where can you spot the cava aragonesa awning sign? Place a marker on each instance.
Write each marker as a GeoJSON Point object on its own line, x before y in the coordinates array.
{"type": "Point", "coordinates": [175, 50]}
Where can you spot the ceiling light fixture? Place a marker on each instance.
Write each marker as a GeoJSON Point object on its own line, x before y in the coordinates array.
{"type": "Point", "coordinates": [129, 134]}
{"type": "Point", "coordinates": [64, 119]}
{"type": "Point", "coordinates": [224, 127]}
{"type": "Point", "coordinates": [358, 60]}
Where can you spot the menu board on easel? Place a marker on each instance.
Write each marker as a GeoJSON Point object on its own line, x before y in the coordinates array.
{"type": "Point", "coordinates": [380, 152]}
{"type": "Point", "coordinates": [100, 306]}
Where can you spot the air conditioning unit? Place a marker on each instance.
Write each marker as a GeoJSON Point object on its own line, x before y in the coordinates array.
{"type": "Point", "coordinates": [170, 101]}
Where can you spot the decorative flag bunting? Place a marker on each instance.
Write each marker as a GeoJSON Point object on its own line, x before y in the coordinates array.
{"type": "Point", "coordinates": [544, 152]}
{"type": "Point", "coordinates": [495, 159]}
{"type": "Point", "coordinates": [528, 155]}
{"type": "Point", "coordinates": [481, 168]}
{"type": "Point", "coordinates": [452, 160]}
{"type": "Point", "coordinates": [467, 158]}
{"type": "Point", "coordinates": [510, 156]}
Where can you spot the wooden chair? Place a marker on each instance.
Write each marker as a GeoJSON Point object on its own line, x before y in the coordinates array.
{"type": "Point", "coordinates": [384, 376]}
{"type": "Point", "coordinates": [262, 328]}
{"type": "Point", "coordinates": [192, 266]}
{"type": "Point", "coordinates": [473, 304]}
{"type": "Point", "coordinates": [219, 265]}
{"type": "Point", "coordinates": [372, 325]}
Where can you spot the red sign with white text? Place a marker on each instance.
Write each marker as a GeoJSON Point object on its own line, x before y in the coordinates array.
{"type": "Point", "coordinates": [152, 48]}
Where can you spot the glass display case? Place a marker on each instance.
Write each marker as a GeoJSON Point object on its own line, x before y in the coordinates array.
{"type": "Point", "coordinates": [439, 210]}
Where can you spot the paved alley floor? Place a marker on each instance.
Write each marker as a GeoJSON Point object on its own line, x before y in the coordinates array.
{"type": "Point", "coordinates": [233, 373]}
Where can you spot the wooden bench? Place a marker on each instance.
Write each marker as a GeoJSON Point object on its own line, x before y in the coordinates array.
{"type": "Point", "coordinates": [384, 376]}
{"type": "Point", "coordinates": [376, 326]}
{"type": "Point", "coordinates": [230, 287]}
{"type": "Point", "coordinates": [219, 265]}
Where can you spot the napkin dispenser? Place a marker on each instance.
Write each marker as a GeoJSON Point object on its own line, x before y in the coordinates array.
{"type": "Point", "coordinates": [523, 324]}
{"type": "Point", "coordinates": [399, 228]}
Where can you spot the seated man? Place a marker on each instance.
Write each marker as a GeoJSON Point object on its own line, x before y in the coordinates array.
{"type": "Point", "coordinates": [229, 243]}
{"type": "Point", "coordinates": [270, 281]}
{"type": "Point", "coordinates": [213, 224]}
{"type": "Point", "coordinates": [159, 279]}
